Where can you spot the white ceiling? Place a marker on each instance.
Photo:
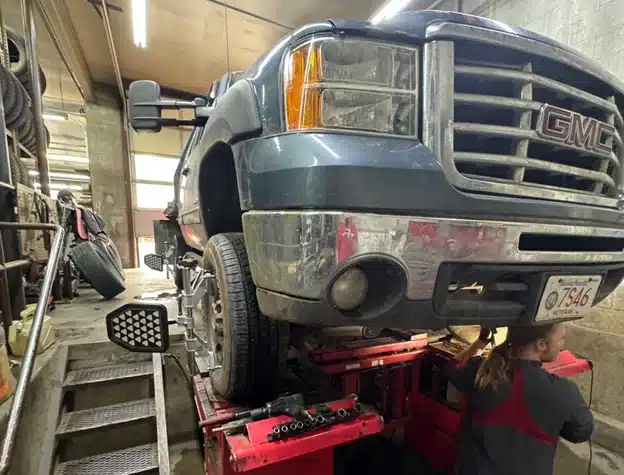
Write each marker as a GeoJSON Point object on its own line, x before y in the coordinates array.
{"type": "Point", "coordinates": [190, 42]}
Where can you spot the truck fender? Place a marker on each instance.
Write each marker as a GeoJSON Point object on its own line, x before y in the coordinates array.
{"type": "Point", "coordinates": [235, 118]}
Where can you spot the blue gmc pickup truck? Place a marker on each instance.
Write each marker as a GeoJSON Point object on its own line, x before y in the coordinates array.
{"type": "Point", "coordinates": [432, 169]}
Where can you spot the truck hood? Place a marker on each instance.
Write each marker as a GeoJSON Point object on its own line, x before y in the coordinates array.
{"type": "Point", "coordinates": [414, 24]}
{"type": "Point", "coordinates": [417, 27]}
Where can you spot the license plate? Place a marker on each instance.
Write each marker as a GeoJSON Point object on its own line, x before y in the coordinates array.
{"type": "Point", "coordinates": [567, 296]}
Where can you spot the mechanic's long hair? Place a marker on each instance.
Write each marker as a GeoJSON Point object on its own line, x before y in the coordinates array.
{"type": "Point", "coordinates": [497, 368]}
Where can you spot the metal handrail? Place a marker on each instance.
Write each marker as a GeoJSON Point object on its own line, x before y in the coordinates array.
{"type": "Point", "coordinates": [30, 354]}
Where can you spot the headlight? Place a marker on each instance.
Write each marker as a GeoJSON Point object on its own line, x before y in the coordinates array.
{"type": "Point", "coordinates": [351, 84]}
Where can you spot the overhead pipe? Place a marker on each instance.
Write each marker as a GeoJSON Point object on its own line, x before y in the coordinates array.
{"type": "Point", "coordinates": [126, 134]}
{"type": "Point", "coordinates": [28, 19]}
{"type": "Point", "coordinates": [57, 43]}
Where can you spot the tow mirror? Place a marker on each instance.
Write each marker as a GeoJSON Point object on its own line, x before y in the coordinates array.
{"type": "Point", "coordinates": [145, 108]}
{"type": "Point", "coordinates": [143, 99]}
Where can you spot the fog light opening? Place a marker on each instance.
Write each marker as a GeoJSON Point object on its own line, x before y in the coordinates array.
{"type": "Point", "coordinates": [350, 289]}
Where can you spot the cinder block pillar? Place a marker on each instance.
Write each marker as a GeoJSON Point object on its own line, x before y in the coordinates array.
{"type": "Point", "coordinates": [110, 176]}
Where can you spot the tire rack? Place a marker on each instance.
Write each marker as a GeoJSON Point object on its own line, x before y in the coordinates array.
{"type": "Point", "coordinates": [18, 149]}
{"type": "Point", "coordinates": [10, 247]}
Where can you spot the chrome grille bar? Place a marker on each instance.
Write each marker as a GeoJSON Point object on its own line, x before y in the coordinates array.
{"type": "Point", "coordinates": [531, 163]}
{"type": "Point", "coordinates": [484, 97]}
{"type": "Point", "coordinates": [502, 102]}
{"type": "Point", "coordinates": [527, 77]}
{"type": "Point", "coordinates": [604, 166]}
{"type": "Point", "coordinates": [497, 101]}
{"type": "Point", "coordinates": [523, 121]}
{"type": "Point", "coordinates": [522, 134]}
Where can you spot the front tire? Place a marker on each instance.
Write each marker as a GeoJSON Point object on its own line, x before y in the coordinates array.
{"type": "Point", "coordinates": [250, 346]}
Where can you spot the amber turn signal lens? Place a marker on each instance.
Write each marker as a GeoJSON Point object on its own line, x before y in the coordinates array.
{"type": "Point", "coordinates": [303, 103]}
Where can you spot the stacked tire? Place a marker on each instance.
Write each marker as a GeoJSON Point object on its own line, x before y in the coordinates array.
{"type": "Point", "coordinates": [17, 93]}
{"type": "Point", "coordinates": [19, 62]}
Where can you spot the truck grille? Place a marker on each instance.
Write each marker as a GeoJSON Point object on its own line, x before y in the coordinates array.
{"type": "Point", "coordinates": [499, 98]}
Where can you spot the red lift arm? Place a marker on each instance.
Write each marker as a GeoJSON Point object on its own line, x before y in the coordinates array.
{"type": "Point", "coordinates": [400, 385]}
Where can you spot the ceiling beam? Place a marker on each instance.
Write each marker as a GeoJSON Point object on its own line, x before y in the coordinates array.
{"type": "Point", "coordinates": [62, 28]}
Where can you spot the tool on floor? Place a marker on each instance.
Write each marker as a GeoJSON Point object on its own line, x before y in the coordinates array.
{"type": "Point", "coordinates": [292, 405]}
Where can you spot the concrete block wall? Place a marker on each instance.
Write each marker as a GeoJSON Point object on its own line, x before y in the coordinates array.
{"type": "Point", "coordinates": [108, 176]}
{"type": "Point", "coordinates": [596, 29]}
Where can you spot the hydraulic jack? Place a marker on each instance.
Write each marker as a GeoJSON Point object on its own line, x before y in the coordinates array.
{"type": "Point", "coordinates": [399, 382]}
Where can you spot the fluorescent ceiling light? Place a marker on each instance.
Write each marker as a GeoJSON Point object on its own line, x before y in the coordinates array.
{"type": "Point", "coordinates": [388, 10]}
{"type": "Point", "coordinates": [54, 116]}
{"type": "Point", "coordinates": [67, 158]}
{"type": "Point", "coordinates": [139, 22]}
{"type": "Point", "coordinates": [67, 176]}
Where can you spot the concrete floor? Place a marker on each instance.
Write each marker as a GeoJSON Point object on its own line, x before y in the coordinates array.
{"type": "Point", "coordinates": [83, 319]}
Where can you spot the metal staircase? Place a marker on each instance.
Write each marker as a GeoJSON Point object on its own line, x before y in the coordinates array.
{"type": "Point", "coordinates": [134, 427]}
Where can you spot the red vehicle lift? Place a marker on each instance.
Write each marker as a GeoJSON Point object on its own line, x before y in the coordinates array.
{"type": "Point", "coordinates": [400, 384]}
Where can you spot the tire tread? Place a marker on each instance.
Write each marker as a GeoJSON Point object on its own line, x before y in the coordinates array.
{"type": "Point", "coordinates": [257, 352]}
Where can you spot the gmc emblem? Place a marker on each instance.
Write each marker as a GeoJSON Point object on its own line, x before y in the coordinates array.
{"type": "Point", "coordinates": [582, 132]}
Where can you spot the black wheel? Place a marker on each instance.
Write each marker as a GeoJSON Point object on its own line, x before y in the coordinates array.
{"type": "Point", "coordinates": [97, 268]}
{"type": "Point", "coordinates": [14, 116]}
{"type": "Point", "coordinates": [26, 82]}
{"type": "Point", "coordinates": [26, 129]}
{"type": "Point", "coordinates": [108, 248]}
{"type": "Point", "coordinates": [8, 92]}
{"type": "Point", "coordinates": [17, 53]}
{"type": "Point", "coordinates": [250, 347]}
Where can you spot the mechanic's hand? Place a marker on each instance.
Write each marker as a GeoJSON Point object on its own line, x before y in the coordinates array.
{"type": "Point", "coordinates": [485, 335]}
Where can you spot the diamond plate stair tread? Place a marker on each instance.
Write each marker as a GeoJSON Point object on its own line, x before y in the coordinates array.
{"type": "Point", "coordinates": [135, 460]}
{"type": "Point", "coordinates": [102, 374]}
{"type": "Point", "coordinates": [106, 416]}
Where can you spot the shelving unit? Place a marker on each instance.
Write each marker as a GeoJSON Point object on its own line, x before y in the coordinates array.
{"type": "Point", "coordinates": [12, 239]}
{"type": "Point", "coordinates": [27, 153]}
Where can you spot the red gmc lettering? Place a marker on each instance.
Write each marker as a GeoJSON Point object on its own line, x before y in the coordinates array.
{"type": "Point", "coordinates": [561, 125]}
{"type": "Point", "coordinates": [582, 132]}
{"type": "Point", "coordinates": [555, 123]}
{"type": "Point", "coordinates": [604, 138]}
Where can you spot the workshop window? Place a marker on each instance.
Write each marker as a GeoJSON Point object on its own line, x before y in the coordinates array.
{"type": "Point", "coordinates": [153, 196]}
{"type": "Point", "coordinates": [153, 180]}
{"type": "Point", "coordinates": [152, 168]}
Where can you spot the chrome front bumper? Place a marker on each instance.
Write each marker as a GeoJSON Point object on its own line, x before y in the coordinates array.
{"type": "Point", "coordinates": [298, 253]}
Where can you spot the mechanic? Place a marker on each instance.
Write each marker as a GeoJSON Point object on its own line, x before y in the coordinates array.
{"type": "Point", "coordinates": [514, 410]}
